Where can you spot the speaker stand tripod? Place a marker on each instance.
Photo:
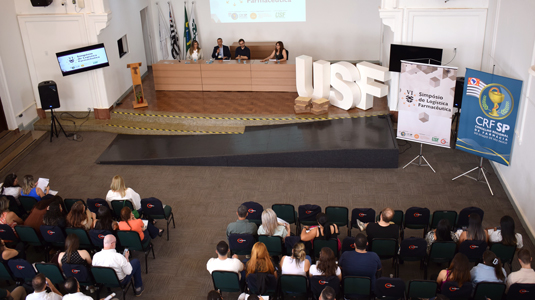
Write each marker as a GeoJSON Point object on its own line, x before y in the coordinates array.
{"type": "Point", "coordinates": [420, 157]}
{"type": "Point", "coordinates": [481, 171]}
{"type": "Point", "coordinates": [54, 127]}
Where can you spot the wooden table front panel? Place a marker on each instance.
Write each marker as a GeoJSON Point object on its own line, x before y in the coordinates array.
{"type": "Point", "coordinates": [172, 75]}
{"type": "Point", "coordinates": [273, 77]}
{"type": "Point", "coordinates": [226, 76]}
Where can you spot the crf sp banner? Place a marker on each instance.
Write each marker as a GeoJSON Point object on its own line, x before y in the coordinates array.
{"type": "Point", "coordinates": [426, 103]}
{"type": "Point", "coordinates": [488, 116]}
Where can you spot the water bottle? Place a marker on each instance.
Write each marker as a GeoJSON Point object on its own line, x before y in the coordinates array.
{"type": "Point", "coordinates": [195, 60]}
{"type": "Point", "coordinates": [239, 60]}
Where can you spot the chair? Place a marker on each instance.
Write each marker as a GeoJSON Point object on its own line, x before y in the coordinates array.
{"type": "Point", "coordinates": [464, 215]}
{"type": "Point", "coordinates": [7, 234]}
{"type": "Point", "coordinates": [289, 243]}
{"type": "Point", "coordinates": [451, 290]}
{"type": "Point", "coordinates": [117, 205]}
{"type": "Point", "coordinates": [294, 285]}
{"type": "Point", "coordinates": [80, 272]}
{"type": "Point", "coordinates": [365, 215]}
{"type": "Point", "coordinates": [505, 253]}
{"type": "Point", "coordinates": [441, 252]}
{"type": "Point", "coordinates": [287, 213]}
{"type": "Point", "coordinates": [389, 288]}
{"type": "Point", "coordinates": [27, 203]}
{"type": "Point", "coordinates": [5, 274]}
{"type": "Point", "coordinates": [521, 291]}
{"type": "Point", "coordinates": [15, 207]}
{"type": "Point", "coordinates": [318, 283]}
{"type": "Point", "coordinates": [22, 270]}
{"type": "Point", "coordinates": [307, 214]}
{"type": "Point", "coordinates": [108, 278]}
{"type": "Point", "coordinates": [53, 235]}
{"type": "Point", "coordinates": [83, 236]}
{"type": "Point", "coordinates": [319, 244]}
{"type": "Point", "coordinates": [131, 240]}
{"type": "Point", "coordinates": [94, 204]}
{"type": "Point", "coordinates": [492, 290]}
{"type": "Point", "coordinates": [241, 244]}
{"type": "Point", "coordinates": [29, 237]}
{"type": "Point", "coordinates": [473, 250]}
{"type": "Point", "coordinates": [357, 286]}
{"type": "Point", "coordinates": [413, 249]}
{"type": "Point", "coordinates": [97, 237]}
{"type": "Point", "coordinates": [438, 215]}
{"type": "Point", "coordinates": [51, 271]}
{"type": "Point", "coordinates": [226, 281]}
{"type": "Point", "coordinates": [273, 244]}
{"type": "Point", "coordinates": [422, 289]}
{"type": "Point", "coordinates": [70, 202]}
{"type": "Point", "coordinates": [337, 215]}
{"type": "Point", "coordinates": [254, 211]}
{"type": "Point", "coordinates": [386, 249]}
{"type": "Point", "coordinates": [153, 208]}
{"type": "Point", "coordinates": [416, 218]}
{"type": "Point", "coordinates": [348, 244]}
{"type": "Point", "coordinates": [270, 284]}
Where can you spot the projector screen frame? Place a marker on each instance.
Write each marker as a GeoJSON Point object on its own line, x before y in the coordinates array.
{"type": "Point", "coordinates": [83, 49]}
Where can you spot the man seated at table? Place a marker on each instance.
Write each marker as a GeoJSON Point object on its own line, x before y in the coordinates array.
{"type": "Point", "coordinates": [221, 51]}
{"type": "Point", "coordinates": [242, 52]}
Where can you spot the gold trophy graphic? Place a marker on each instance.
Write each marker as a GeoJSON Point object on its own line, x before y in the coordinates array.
{"type": "Point", "coordinates": [496, 97]}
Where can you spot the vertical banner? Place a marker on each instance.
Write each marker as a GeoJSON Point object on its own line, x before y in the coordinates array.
{"type": "Point", "coordinates": [425, 103]}
{"type": "Point", "coordinates": [488, 115]}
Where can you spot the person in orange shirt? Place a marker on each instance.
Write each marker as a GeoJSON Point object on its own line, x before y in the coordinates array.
{"type": "Point", "coordinates": [130, 223]}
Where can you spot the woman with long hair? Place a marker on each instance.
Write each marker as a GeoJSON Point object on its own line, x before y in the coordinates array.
{"type": "Point", "coordinates": [326, 265]}
{"type": "Point", "coordinates": [54, 216]}
{"type": "Point", "coordinates": [8, 217]}
{"type": "Point", "coordinates": [490, 270]}
{"type": "Point", "coordinates": [325, 230]}
{"type": "Point", "coordinates": [271, 226]}
{"type": "Point", "coordinates": [442, 233]}
{"type": "Point", "coordinates": [11, 187]}
{"type": "Point", "coordinates": [72, 254]}
{"type": "Point", "coordinates": [279, 53]}
{"type": "Point", "coordinates": [260, 261]}
{"type": "Point", "coordinates": [475, 230]}
{"type": "Point", "coordinates": [104, 220]}
{"type": "Point", "coordinates": [130, 223]}
{"type": "Point", "coordinates": [194, 52]}
{"type": "Point", "coordinates": [80, 217]}
{"type": "Point", "coordinates": [297, 264]}
{"type": "Point", "coordinates": [506, 233]}
{"type": "Point", "coordinates": [458, 271]}
{"type": "Point", "coordinates": [29, 188]}
{"type": "Point", "coordinates": [38, 212]}
{"type": "Point", "coordinates": [119, 191]}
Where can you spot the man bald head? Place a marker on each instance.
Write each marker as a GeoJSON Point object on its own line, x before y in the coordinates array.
{"type": "Point", "coordinates": [109, 242]}
{"type": "Point", "coordinates": [387, 214]}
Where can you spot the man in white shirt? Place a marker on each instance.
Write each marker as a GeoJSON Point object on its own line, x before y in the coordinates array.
{"type": "Point", "coordinates": [72, 287]}
{"type": "Point", "coordinates": [526, 274]}
{"type": "Point", "coordinates": [124, 269]}
{"type": "Point", "coordinates": [39, 284]}
{"type": "Point", "coordinates": [222, 262]}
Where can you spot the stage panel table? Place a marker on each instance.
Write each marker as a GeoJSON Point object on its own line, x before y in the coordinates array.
{"type": "Point", "coordinates": [259, 50]}
{"type": "Point", "coordinates": [173, 75]}
{"type": "Point", "coordinates": [273, 76]}
{"type": "Point", "coordinates": [226, 76]}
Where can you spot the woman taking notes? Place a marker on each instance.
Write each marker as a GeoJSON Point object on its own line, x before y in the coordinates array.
{"type": "Point", "coordinates": [194, 53]}
{"type": "Point", "coordinates": [279, 53]}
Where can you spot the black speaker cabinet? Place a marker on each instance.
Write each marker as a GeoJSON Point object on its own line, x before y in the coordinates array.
{"type": "Point", "coordinates": [48, 92]}
{"type": "Point", "coordinates": [459, 87]}
{"type": "Point", "coordinates": [41, 2]}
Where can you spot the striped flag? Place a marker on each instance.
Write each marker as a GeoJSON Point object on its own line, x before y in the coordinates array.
{"type": "Point", "coordinates": [186, 31]}
{"type": "Point", "coordinates": [175, 48]}
{"type": "Point", "coordinates": [163, 32]}
{"type": "Point", "coordinates": [194, 33]}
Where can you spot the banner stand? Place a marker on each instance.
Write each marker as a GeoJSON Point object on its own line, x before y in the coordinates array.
{"type": "Point", "coordinates": [419, 164]}
{"type": "Point", "coordinates": [481, 171]}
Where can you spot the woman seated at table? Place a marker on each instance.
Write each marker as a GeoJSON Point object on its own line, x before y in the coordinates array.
{"type": "Point", "coordinates": [279, 53]}
{"type": "Point", "coordinates": [130, 223]}
{"type": "Point", "coordinates": [194, 52]}
{"type": "Point", "coordinates": [29, 188]}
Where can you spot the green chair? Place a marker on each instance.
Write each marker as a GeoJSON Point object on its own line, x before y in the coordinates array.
{"type": "Point", "coordinates": [273, 244]}
{"type": "Point", "coordinates": [294, 285]}
{"type": "Point", "coordinates": [5, 274]}
{"type": "Point", "coordinates": [51, 271]}
{"type": "Point", "coordinates": [83, 236]}
{"type": "Point", "coordinates": [70, 202]}
{"type": "Point", "coordinates": [319, 244]}
{"type": "Point", "coordinates": [386, 249]}
{"type": "Point", "coordinates": [492, 290]}
{"type": "Point", "coordinates": [131, 240]}
{"type": "Point", "coordinates": [117, 205]}
{"type": "Point", "coordinates": [153, 208]}
{"type": "Point", "coordinates": [108, 278]}
{"type": "Point", "coordinates": [29, 237]}
{"type": "Point", "coordinates": [226, 281]}
{"type": "Point", "coordinates": [505, 253]}
{"type": "Point", "coordinates": [438, 215]}
{"type": "Point", "coordinates": [398, 217]}
{"type": "Point", "coordinates": [422, 289]}
{"type": "Point", "coordinates": [441, 252]}
{"type": "Point", "coordinates": [357, 286]}
{"type": "Point", "coordinates": [287, 213]}
{"type": "Point", "coordinates": [27, 203]}
{"type": "Point", "coordinates": [337, 215]}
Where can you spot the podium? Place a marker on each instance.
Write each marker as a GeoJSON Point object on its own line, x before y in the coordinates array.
{"type": "Point", "coordinates": [139, 96]}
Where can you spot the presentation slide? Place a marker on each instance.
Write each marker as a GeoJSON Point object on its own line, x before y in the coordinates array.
{"type": "Point", "coordinates": [82, 60]}
{"type": "Point", "coordinates": [240, 11]}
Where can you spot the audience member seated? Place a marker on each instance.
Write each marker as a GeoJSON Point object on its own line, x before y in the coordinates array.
{"type": "Point", "coordinates": [37, 214]}
{"type": "Point", "coordinates": [72, 254]}
{"type": "Point", "coordinates": [326, 265]}
{"type": "Point", "coordinates": [475, 230]}
{"type": "Point", "coordinates": [39, 284]}
{"type": "Point", "coordinates": [242, 225]}
{"type": "Point", "coordinates": [526, 274]}
{"type": "Point", "coordinates": [18, 293]}
{"type": "Point", "coordinates": [11, 187]}
{"type": "Point", "coordinates": [119, 191]}
{"type": "Point", "coordinates": [458, 271]}
{"type": "Point", "coordinates": [125, 269]}
{"type": "Point", "coordinates": [506, 233]}
{"type": "Point", "coordinates": [80, 216]}
{"type": "Point", "coordinates": [242, 52]}
{"type": "Point", "coordinates": [130, 223]}
{"type": "Point", "coordinates": [328, 293]}
{"type": "Point", "coordinates": [383, 229]}
{"type": "Point", "coordinates": [270, 225]}
{"type": "Point", "coordinates": [8, 217]}
{"type": "Point", "coordinates": [8, 253]}
{"type": "Point", "coordinates": [104, 220]}
{"type": "Point", "coordinates": [279, 53]}
{"type": "Point", "coordinates": [297, 264]}
{"type": "Point", "coordinates": [214, 295]}
{"type": "Point", "coordinates": [72, 287]}
{"type": "Point", "coordinates": [194, 52]}
{"type": "Point", "coordinates": [223, 262]}
{"type": "Point", "coordinates": [360, 262]}
{"type": "Point", "coordinates": [320, 232]}
{"type": "Point", "coordinates": [260, 261]}
{"type": "Point", "coordinates": [30, 189]}
{"type": "Point", "coordinates": [490, 270]}
{"type": "Point", "coordinates": [54, 216]}
{"type": "Point", "coordinates": [221, 51]}
{"type": "Point", "coordinates": [442, 233]}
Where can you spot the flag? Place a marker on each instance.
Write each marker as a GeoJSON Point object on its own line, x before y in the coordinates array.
{"type": "Point", "coordinates": [175, 48]}
{"type": "Point", "coordinates": [186, 31]}
{"type": "Point", "coordinates": [194, 33]}
{"type": "Point", "coordinates": [163, 31]}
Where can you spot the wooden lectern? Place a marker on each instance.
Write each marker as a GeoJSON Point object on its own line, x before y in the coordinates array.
{"type": "Point", "coordinates": [139, 97]}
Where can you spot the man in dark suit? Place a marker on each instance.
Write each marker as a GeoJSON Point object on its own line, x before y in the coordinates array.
{"type": "Point", "coordinates": [221, 51]}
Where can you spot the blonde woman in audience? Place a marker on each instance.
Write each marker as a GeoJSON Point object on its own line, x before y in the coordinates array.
{"type": "Point", "coordinates": [271, 226]}
{"type": "Point", "coordinates": [119, 191]}
{"type": "Point", "coordinates": [8, 217]}
{"type": "Point", "coordinates": [80, 217]}
{"type": "Point", "coordinates": [29, 188]}
{"type": "Point", "coordinates": [297, 264]}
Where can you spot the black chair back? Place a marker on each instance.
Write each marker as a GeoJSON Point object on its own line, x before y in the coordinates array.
{"type": "Point", "coordinates": [365, 215]}
{"type": "Point", "coordinates": [318, 283]}
{"type": "Point", "coordinates": [97, 237]}
{"type": "Point", "coordinates": [308, 212]}
{"type": "Point", "coordinates": [254, 210]}
{"type": "Point", "coordinates": [521, 291]}
{"type": "Point", "coordinates": [21, 269]}
{"type": "Point", "coordinates": [412, 249]}
{"type": "Point", "coordinates": [241, 244]}
{"type": "Point", "coordinates": [348, 244]}
{"type": "Point", "coordinates": [392, 288]}
{"type": "Point", "coordinates": [451, 290]}
{"type": "Point", "coordinates": [464, 215]}
{"type": "Point", "coordinates": [53, 234]}
{"type": "Point", "coordinates": [94, 204]}
{"type": "Point", "coordinates": [262, 283]}
{"type": "Point", "coordinates": [80, 272]}
{"type": "Point", "coordinates": [152, 206]}
{"type": "Point", "coordinates": [473, 249]}
{"type": "Point", "coordinates": [417, 217]}
{"type": "Point", "coordinates": [7, 234]}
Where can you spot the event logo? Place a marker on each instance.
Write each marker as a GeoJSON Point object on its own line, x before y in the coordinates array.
{"type": "Point", "coordinates": [74, 271]}
{"type": "Point", "coordinates": [20, 267]}
{"type": "Point", "coordinates": [523, 291]}
{"type": "Point", "coordinates": [101, 236]}
{"type": "Point", "coordinates": [352, 246]}
{"type": "Point", "coordinates": [323, 282]}
{"type": "Point", "coordinates": [150, 205]}
{"type": "Point", "coordinates": [362, 215]}
{"type": "Point", "coordinates": [234, 16]}
{"type": "Point", "coordinates": [280, 14]}
{"type": "Point", "coordinates": [308, 212]}
{"type": "Point", "coordinates": [453, 289]}
{"type": "Point", "coordinates": [434, 139]}
{"type": "Point", "coordinates": [389, 285]}
{"type": "Point", "coordinates": [403, 133]}
{"type": "Point", "coordinates": [50, 232]}
{"type": "Point", "coordinates": [496, 101]}
{"type": "Point", "coordinates": [474, 247]}
{"type": "Point", "coordinates": [98, 204]}
{"type": "Point", "coordinates": [412, 247]}
{"type": "Point", "coordinates": [251, 211]}
{"type": "Point", "coordinates": [416, 215]}
{"type": "Point", "coordinates": [253, 16]}
{"type": "Point", "coordinates": [443, 141]}
{"type": "Point", "coordinates": [71, 59]}
{"type": "Point", "coordinates": [241, 241]}
{"type": "Point", "coordinates": [416, 136]}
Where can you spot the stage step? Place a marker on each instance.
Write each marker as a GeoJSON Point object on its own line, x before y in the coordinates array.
{"type": "Point", "coordinates": [15, 145]}
{"type": "Point", "coordinates": [156, 128]}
